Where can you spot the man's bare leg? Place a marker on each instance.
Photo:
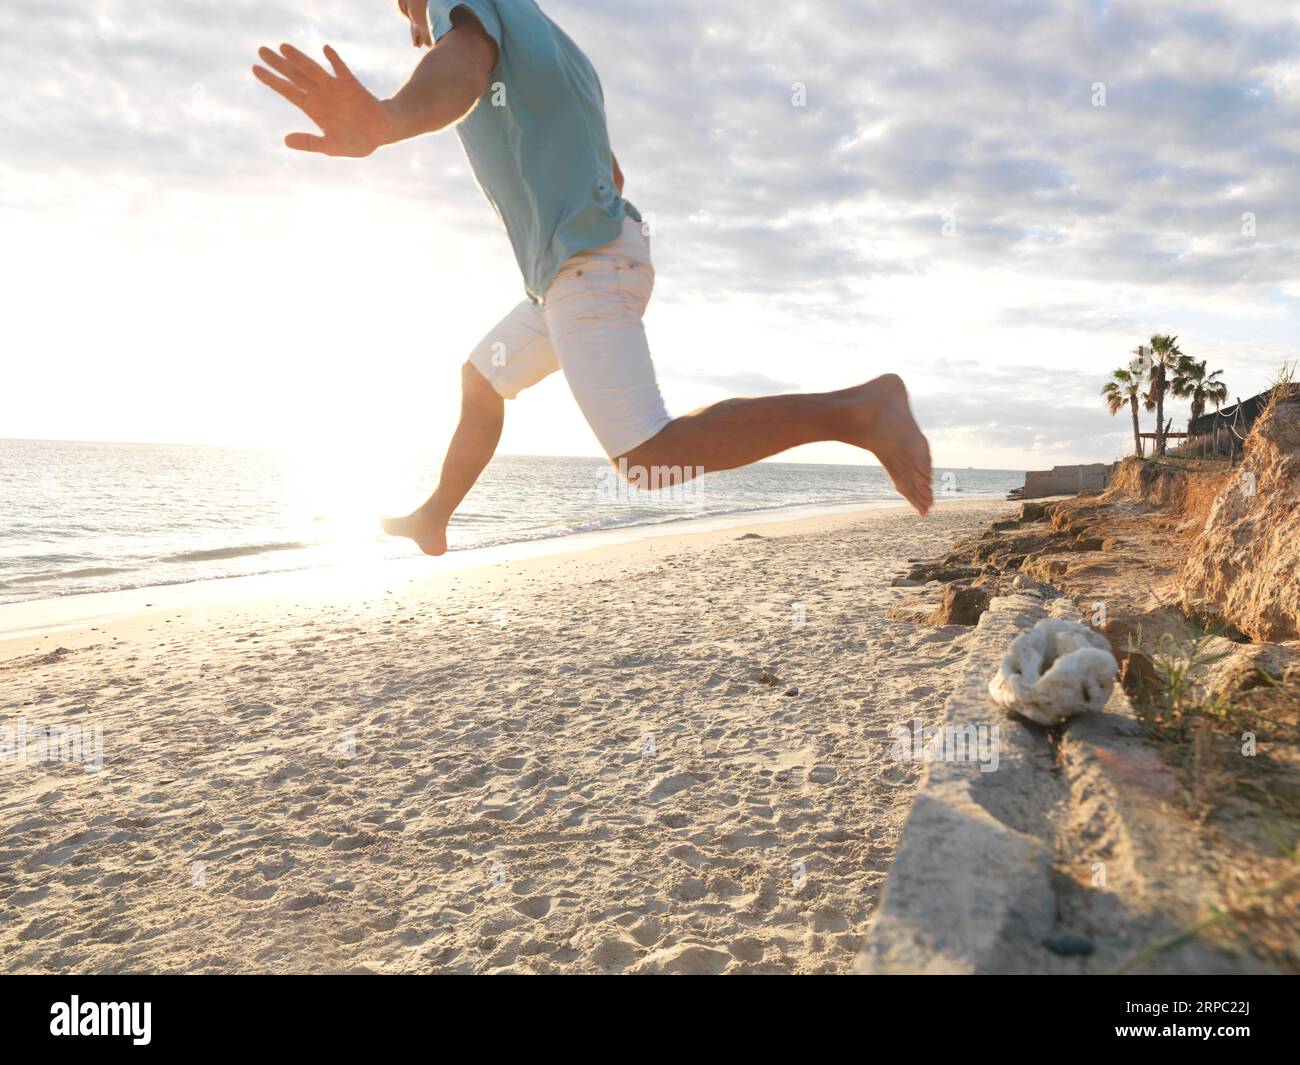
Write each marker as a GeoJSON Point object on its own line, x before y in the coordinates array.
{"type": "Point", "coordinates": [482, 413]}
{"type": "Point", "coordinates": [736, 432]}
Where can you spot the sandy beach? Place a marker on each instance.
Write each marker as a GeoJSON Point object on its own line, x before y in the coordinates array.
{"type": "Point", "coordinates": [566, 763]}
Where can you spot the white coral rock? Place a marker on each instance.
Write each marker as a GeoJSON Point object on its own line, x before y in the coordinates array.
{"type": "Point", "coordinates": [1055, 670]}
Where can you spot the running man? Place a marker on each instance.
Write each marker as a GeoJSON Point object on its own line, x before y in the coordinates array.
{"type": "Point", "coordinates": [530, 113]}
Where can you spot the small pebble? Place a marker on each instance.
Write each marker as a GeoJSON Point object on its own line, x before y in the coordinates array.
{"type": "Point", "coordinates": [1068, 946]}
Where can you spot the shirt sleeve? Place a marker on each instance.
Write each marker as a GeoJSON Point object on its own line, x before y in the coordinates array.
{"type": "Point", "coordinates": [440, 12]}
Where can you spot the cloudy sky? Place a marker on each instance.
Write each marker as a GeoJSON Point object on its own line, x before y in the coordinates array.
{"type": "Point", "coordinates": [996, 199]}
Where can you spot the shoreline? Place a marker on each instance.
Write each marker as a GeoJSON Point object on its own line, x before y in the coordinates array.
{"type": "Point", "coordinates": [27, 623]}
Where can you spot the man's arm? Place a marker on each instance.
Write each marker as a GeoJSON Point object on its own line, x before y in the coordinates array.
{"type": "Point", "coordinates": [353, 121]}
{"type": "Point", "coordinates": [446, 83]}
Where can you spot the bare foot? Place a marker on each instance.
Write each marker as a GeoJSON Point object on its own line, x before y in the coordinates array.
{"type": "Point", "coordinates": [427, 529]}
{"type": "Point", "coordinates": [882, 423]}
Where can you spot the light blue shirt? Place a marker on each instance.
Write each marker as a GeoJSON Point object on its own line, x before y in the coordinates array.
{"type": "Point", "coordinates": [537, 140]}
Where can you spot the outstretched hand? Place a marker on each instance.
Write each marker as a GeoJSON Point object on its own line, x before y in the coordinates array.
{"type": "Point", "coordinates": [352, 120]}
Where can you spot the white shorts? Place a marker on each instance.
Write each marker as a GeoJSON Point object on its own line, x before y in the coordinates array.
{"type": "Point", "coordinates": [590, 327]}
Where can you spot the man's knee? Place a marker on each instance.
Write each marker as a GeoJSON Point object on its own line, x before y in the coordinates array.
{"type": "Point", "coordinates": [476, 388]}
{"type": "Point", "coordinates": [658, 449]}
{"type": "Point", "coordinates": [652, 464]}
{"type": "Point", "coordinates": [645, 455]}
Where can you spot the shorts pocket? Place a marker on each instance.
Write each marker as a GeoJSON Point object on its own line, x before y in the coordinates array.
{"type": "Point", "coordinates": [637, 279]}
{"type": "Point", "coordinates": [604, 285]}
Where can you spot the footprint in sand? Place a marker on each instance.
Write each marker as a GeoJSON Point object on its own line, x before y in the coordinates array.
{"type": "Point", "coordinates": [304, 902]}
{"type": "Point", "coordinates": [690, 959]}
{"type": "Point", "coordinates": [536, 907]}
{"type": "Point", "coordinates": [671, 785]}
{"type": "Point", "coordinates": [23, 898]}
{"type": "Point", "coordinates": [827, 918]}
{"type": "Point", "coordinates": [615, 954]}
{"type": "Point", "coordinates": [111, 932]}
{"type": "Point", "coordinates": [689, 889]}
{"type": "Point", "coordinates": [351, 843]}
{"type": "Point", "coordinates": [746, 948]}
{"type": "Point", "coordinates": [647, 932]}
{"type": "Point", "coordinates": [41, 928]}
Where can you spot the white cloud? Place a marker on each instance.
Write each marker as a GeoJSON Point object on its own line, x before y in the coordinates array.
{"type": "Point", "coordinates": [132, 134]}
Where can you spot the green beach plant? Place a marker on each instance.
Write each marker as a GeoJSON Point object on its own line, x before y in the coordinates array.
{"type": "Point", "coordinates": [1282, 385]}
{"type": "Point", "coordinates": [1176, 663]}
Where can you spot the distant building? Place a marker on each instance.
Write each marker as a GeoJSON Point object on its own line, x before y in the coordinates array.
{"type": "Point", "coordinates": [1064, 480]}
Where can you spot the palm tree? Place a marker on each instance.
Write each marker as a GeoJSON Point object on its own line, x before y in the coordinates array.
{"type": "Point", "coordinates": [1192, 381]}
{"type": "Point", "coordinates": [1164, 358]}
{"type": "Point", "coordinates": [1123, 390]}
